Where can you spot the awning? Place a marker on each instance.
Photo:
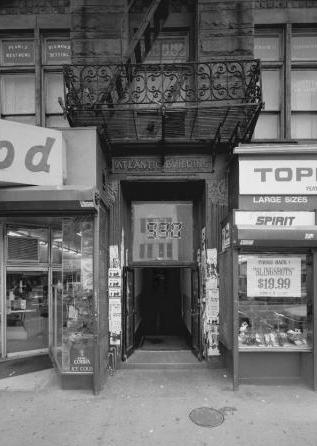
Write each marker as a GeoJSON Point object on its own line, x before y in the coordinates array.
{"type": "Point", "coordinates": [249, 235]}
{"type": "Point", "coordinates": [47, 199]}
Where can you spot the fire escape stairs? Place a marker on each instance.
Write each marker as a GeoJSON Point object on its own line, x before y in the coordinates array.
{"type": "Point", "coordinates": [151, 25]}
{"type": "Point", "coordinates": [213, 117]}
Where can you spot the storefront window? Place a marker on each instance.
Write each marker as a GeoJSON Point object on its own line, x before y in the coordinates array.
{"type": "Point", "coordinates": [27, 310]}
{"type": "Point", "coordinates": [27, 244]}
{"type": "Point", "coordinates": [57, 245]}
{"type": "Point", "coordinates": [162, 231]}
{"type": "Point", "coordinates": [60, 316]}
{"type": "Point", "coordinates": [275, 309]}
{"type": "Point", "coordinates": [73, 304]}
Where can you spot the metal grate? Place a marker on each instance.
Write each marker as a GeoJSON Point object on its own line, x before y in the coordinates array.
{"type": "Point", "coordinates": [206, 417]}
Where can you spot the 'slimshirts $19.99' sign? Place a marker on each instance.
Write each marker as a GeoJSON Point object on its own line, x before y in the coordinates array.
{"type": "Point", "coordinates": [273, 276]}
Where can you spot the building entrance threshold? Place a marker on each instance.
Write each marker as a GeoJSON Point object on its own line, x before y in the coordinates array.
{"type": "Point", "coordinates": [163, 343]}
{"type": "Point", "coordinates": [163, 359]}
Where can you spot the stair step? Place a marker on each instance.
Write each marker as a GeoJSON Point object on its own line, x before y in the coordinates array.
{"type": "Point", "coordinates": [168, 359]}
{"type": "Point", "coordinates": [163, 365]}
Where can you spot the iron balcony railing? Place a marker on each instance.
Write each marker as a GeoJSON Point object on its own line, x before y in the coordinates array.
{"type": "Point", "coordinates": [109, 95]}
{"type": "Point", "coordinates": [98, 86]}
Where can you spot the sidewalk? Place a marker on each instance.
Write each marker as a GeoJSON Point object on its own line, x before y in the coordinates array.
{"type": "Point", "coordinates": [151, 407]}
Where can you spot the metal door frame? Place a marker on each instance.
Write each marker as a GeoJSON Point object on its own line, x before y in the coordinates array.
{"type": "Point", "coordinates": [126, 352]}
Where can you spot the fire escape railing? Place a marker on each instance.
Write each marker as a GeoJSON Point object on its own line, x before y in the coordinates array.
{"type": "Point", "coordinates": [158, 84]}
{"type": "Point", "coordinates": [216, 96]}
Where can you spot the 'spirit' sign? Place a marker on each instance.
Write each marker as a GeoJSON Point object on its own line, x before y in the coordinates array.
{"type": "Point", "coordinates": [281, 218]}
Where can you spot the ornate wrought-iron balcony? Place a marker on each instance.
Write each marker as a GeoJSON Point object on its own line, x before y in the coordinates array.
{"type": "Point", "coordinates": [216, 101]}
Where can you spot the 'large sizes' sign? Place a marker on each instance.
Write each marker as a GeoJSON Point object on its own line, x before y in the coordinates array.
{"type": "Point", "coordinates": [31, 155]}
{"type": "Point", "coordinates": [278, 176]}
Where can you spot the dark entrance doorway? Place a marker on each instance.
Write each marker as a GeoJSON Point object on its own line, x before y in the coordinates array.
{"type": "Point", "coordinates": [159, 310]}
{"type": "Point", "coordinates": [161, 304]}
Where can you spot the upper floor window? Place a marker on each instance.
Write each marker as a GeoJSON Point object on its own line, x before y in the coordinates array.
{"type": "Point", "coordinates": [303, 85]}
{"type": "Point", "coordinates": [168, 48]}
{"type": "Point", "coordinates": [31, 79]}
{"type": "Point", "coordinates": [289, 83]}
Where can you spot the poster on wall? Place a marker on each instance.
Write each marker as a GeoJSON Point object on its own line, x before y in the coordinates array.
{"type": "Point", "coordinates": [273, 276]}
{"type": "Point", "coordinates": [211, 307]}
{"type": "Point", "coordinates": [114, 272]}
{"type": "Point", "coordinates": [114, 256]}
{"type": "Point", "coordinates": [115, 316]}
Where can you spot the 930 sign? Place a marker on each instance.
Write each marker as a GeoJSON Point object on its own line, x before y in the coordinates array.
{"type": "Point", "coordinates": [164, 230]}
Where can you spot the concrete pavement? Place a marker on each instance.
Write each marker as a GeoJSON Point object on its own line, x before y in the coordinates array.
{"type": "Point", "coordinates": [151, 407]}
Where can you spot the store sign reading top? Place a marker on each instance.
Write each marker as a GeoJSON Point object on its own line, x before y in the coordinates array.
{"type": "Point", "coordinates": [31, 155]}
{"type": "Point", "coordinates": [278, 176]}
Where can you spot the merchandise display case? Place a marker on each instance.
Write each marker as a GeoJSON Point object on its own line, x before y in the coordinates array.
{"type": "Point", "coordinates": [79, 316]}
{"type": "Point", "coordinates": [275, 303]}
{"type": "Point", "coordinates": [73, 300]}
{"type": "Point", "coordinates": [267, 311]}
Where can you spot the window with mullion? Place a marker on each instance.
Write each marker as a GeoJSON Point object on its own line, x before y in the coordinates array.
{"type": "Point", "coordinates": [18, 97]}
{"type": "Point", "coordinates": [56, 52]}
{"type": "Point", "coordinates": [268, 48]}
{"type": "Point", "coordinates": [304, 84]}
{"type": "Point", "coordinates": [17, 78]}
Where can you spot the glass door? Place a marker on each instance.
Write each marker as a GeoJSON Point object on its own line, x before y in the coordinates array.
{"type": "Point", "coordinates": [26, 310]}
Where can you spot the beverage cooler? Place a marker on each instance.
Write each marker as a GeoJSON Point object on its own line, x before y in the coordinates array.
{"type": "Point", "coordinates": [268, 284]}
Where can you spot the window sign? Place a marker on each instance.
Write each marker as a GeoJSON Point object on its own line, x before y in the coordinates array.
{"type": "Point", "coordinates": [18, 52]}
{"type": "Point", "coordinates": [57, 51]}
{"type": "Point", "coordinates": [267, 47]}
{"type": "Point", "coordinates": [304, 47]}
{"type": "Point", "coordinates": [273, 276]}
{"type": "Point", "coordinates": [168, 49]}
{"type": "Point", "coordinates": [162, 231]}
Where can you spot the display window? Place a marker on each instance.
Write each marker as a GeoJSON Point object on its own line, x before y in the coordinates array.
{"type": "Point", "coordinates": [27, 310]}
{"type": "Point", "coordinates": [72, 298]}
{"type": "Point", "coordinates": [47, 289]}
{"type": "Point", "coordinates": [275, 301]}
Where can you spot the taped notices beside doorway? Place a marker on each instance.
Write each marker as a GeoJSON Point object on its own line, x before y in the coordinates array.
{"type": "Point", "coordinates": [210, 315]}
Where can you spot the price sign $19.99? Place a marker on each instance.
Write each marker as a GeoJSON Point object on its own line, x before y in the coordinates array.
{"type": "Point", "coordinates": [274, 283]}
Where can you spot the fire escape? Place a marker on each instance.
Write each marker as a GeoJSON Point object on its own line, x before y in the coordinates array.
{"type": "Point", "coordinates": [211, 104]}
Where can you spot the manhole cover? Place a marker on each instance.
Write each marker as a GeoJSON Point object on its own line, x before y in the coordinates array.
{"type": "Point", "coordinates": [206, 416]}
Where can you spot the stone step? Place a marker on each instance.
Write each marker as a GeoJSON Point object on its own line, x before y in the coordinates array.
{"type": "Point", "coordinates": [167, 359]}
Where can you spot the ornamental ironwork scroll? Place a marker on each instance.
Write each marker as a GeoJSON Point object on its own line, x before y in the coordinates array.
{"type": "Point", "coordinates": [92, 87]}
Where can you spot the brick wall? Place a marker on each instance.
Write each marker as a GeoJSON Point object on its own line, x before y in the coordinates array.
{"type": "Point", "coordinates": [225, 29]}
{"type": "Point", "coordinates": [34, 7]}
{"type": "Point", "coordinates": [99, 30]}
